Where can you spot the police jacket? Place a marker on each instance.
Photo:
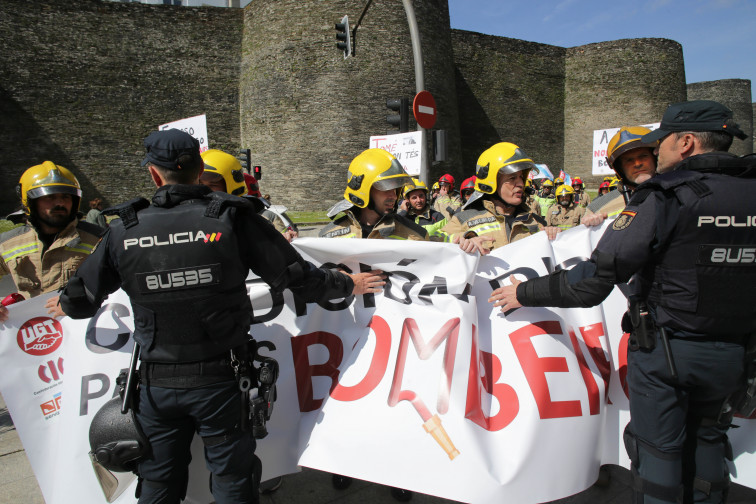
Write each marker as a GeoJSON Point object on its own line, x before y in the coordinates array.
{"type": "Point", "coordinates": [183, 261]}
{"type": "Point", "coordinates": [36, 269]}
{"type": "Point", "coordinates": [390, 226]}
{"type": "Point", "coordinates": [479, 218]}
{"type": "Point", "coordinates": [689, 236]}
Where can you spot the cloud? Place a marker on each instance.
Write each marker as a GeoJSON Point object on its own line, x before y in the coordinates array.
{"type": "Point", "coordinates": [558, 9]}
{"type": "Point", "coordinates": [655, 5]}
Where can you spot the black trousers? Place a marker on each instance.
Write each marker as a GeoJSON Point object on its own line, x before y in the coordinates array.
{"type": "Point", "coordinates": [170, 417]}
{"type": "Point", "coordinates": [678, 443]}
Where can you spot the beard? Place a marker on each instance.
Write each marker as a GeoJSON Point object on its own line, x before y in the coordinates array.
{"type": "Point", "coordinates": [56, 220]}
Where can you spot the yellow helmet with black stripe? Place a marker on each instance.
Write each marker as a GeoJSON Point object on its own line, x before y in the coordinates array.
{"type": "Point", "coordinates": [48, 178]}
{"type": "Point", "coordinates": [501, 158]}
{"type": "Point", "coordinates": [373, 168]}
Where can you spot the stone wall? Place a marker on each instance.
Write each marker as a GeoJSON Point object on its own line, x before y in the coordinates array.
{"type": "Point", "coordinates": [735, 94]}
{"type": "Point", "coordinates": [509, 91]}
{"type": "Point", "coordinates": [82, 82]}
{"type": "Point", "coordinates": [306, 112]}
{"type": "Point", "coordinates": [613, 84]}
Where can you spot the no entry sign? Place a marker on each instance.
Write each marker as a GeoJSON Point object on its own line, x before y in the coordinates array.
{"type": "Point", "coordinates": [424, 109]}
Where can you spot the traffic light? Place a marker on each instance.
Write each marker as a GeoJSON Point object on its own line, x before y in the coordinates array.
{"type": "Point", "coordinates": [343, 37]}
{"type": "Point", "coordinates": [400, 120]}
{"type": "Point", "coordinates": [246, 159]}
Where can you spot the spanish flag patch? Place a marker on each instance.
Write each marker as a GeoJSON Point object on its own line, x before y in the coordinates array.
{"type": "Point", "coordinates": [623, 220]}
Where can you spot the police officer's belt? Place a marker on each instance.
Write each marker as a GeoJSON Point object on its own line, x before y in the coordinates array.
{"type": "Point", "coordinates": [738, 339]}
{"type": "Point", "coordinates": [187, 374]}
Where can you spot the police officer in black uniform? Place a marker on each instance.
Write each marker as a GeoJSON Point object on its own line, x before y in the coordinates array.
{"type": "Point", "coordinates": [687, 238]}
{"type": "Point", "coordinates": [183, 260]}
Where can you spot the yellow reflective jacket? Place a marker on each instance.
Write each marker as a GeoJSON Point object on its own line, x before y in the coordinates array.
{"type": "Point", "coordinates": [35, 271]}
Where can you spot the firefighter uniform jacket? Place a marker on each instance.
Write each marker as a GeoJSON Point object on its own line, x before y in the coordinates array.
{"type": "Point", "coordinates": [391, 226]}
{"type": "Point", "coordinates": [690, 236]}
{"type": "Point", "coordinates": [564, 218]}
{"type": "Point", "coordinates": [479, 217]}
{"type": "Point", "coordinates": [583, 198]}
{"type": "Point", "coordinates": [611, 203]}
{"type": "Point", "coordinates": [429, 219]}
{"type": "Point", "coordinates": [183, 262]}
{"type": "Point", "coordinates": [448, 204]}
{"type": "Point", "coordinates": [36, 270]}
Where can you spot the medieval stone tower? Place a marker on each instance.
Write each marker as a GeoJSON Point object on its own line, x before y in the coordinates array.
{"type": "Point", "coordinates": [82, 82]}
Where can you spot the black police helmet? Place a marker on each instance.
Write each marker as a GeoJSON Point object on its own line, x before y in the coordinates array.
{"type": "Point", "coordinates": [115, 438]}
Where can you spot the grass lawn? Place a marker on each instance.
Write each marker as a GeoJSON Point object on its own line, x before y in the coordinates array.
{"type": "Point", "coordinates": [6, 225]}
{"type": "Point", "coordinates": [308, 217]}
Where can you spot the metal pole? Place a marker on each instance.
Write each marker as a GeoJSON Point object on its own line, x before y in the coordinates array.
{"type": "Point", "coordinates": [417, 55]}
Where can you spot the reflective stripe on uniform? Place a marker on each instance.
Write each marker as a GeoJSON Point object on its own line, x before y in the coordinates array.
{"type": "Point", "coordinates": [21, 250]}
{"type": "Point", "coordinates": [84, 248]}
{"type": "Point", "coordinates": [615, 213]}
{"type": "Point", "coordinates": [488, 227]}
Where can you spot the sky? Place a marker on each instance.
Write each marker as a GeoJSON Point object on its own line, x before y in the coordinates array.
{"type": "Point", "coordinates": [718, 37]}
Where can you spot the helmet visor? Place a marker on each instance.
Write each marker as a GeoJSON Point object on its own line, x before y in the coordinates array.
{"type": "Point", "coordinates": [38, 192]}
{"type": "Point", "coordinates": [519, 166]}
{"type": "Point", "coordinates": [393, 178]}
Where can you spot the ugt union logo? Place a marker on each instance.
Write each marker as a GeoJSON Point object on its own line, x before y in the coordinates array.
{"type": "Point", "coordinates": [40, 336]}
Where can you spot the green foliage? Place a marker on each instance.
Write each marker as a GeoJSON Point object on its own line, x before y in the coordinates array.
{"type": "Point", "coordinates": [6, 225]}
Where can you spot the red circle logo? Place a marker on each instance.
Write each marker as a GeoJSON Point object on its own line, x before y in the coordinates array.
{"type": "Point", "coordinates": [40, 336]}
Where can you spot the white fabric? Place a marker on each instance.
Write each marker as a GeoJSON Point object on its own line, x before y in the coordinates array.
{"type": "Point", "coordinates": [360, 378]}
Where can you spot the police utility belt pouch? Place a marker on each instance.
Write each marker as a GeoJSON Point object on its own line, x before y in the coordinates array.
{"type": "Point", "coordinates": [640, 325]}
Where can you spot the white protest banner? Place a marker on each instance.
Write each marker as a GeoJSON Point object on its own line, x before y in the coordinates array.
{"type": "Point", "coordinates": [195, 126]}
{"type": "Point", "coordinates": [407, 148]}
{"type": "Point", "coordinates": [31, 383]}
{"type": "Point", "coordinates": [423, 387]}
{"type": "Point", "coordinates": [601, 138]}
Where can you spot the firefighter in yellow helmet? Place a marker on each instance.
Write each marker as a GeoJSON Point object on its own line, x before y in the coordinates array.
{"type": "Point", "coordinates": [568, 212]}
{"type": "Point", "coordinates": [224, 173]}
{"type": "Point", "coordinates": [417, 208]}
{"type": "Point", "coordinates": [496, 214]}
{"type": "Point", "coordinates": [43, 254]}
{"type": "Point", "coordinates": [546, 197]}
{"type": "Point", "coordinates": [634, 162]}
{"type": "Point", "coordinates": [374, 180]}
{"type": "Point", "coordinates": [531, 198]}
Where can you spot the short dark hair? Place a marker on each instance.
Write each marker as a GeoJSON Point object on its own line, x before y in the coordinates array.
{"type": "Point", "coordinates": [710, 140]}
{"type": "Point", "coordinates": [190, 167]}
